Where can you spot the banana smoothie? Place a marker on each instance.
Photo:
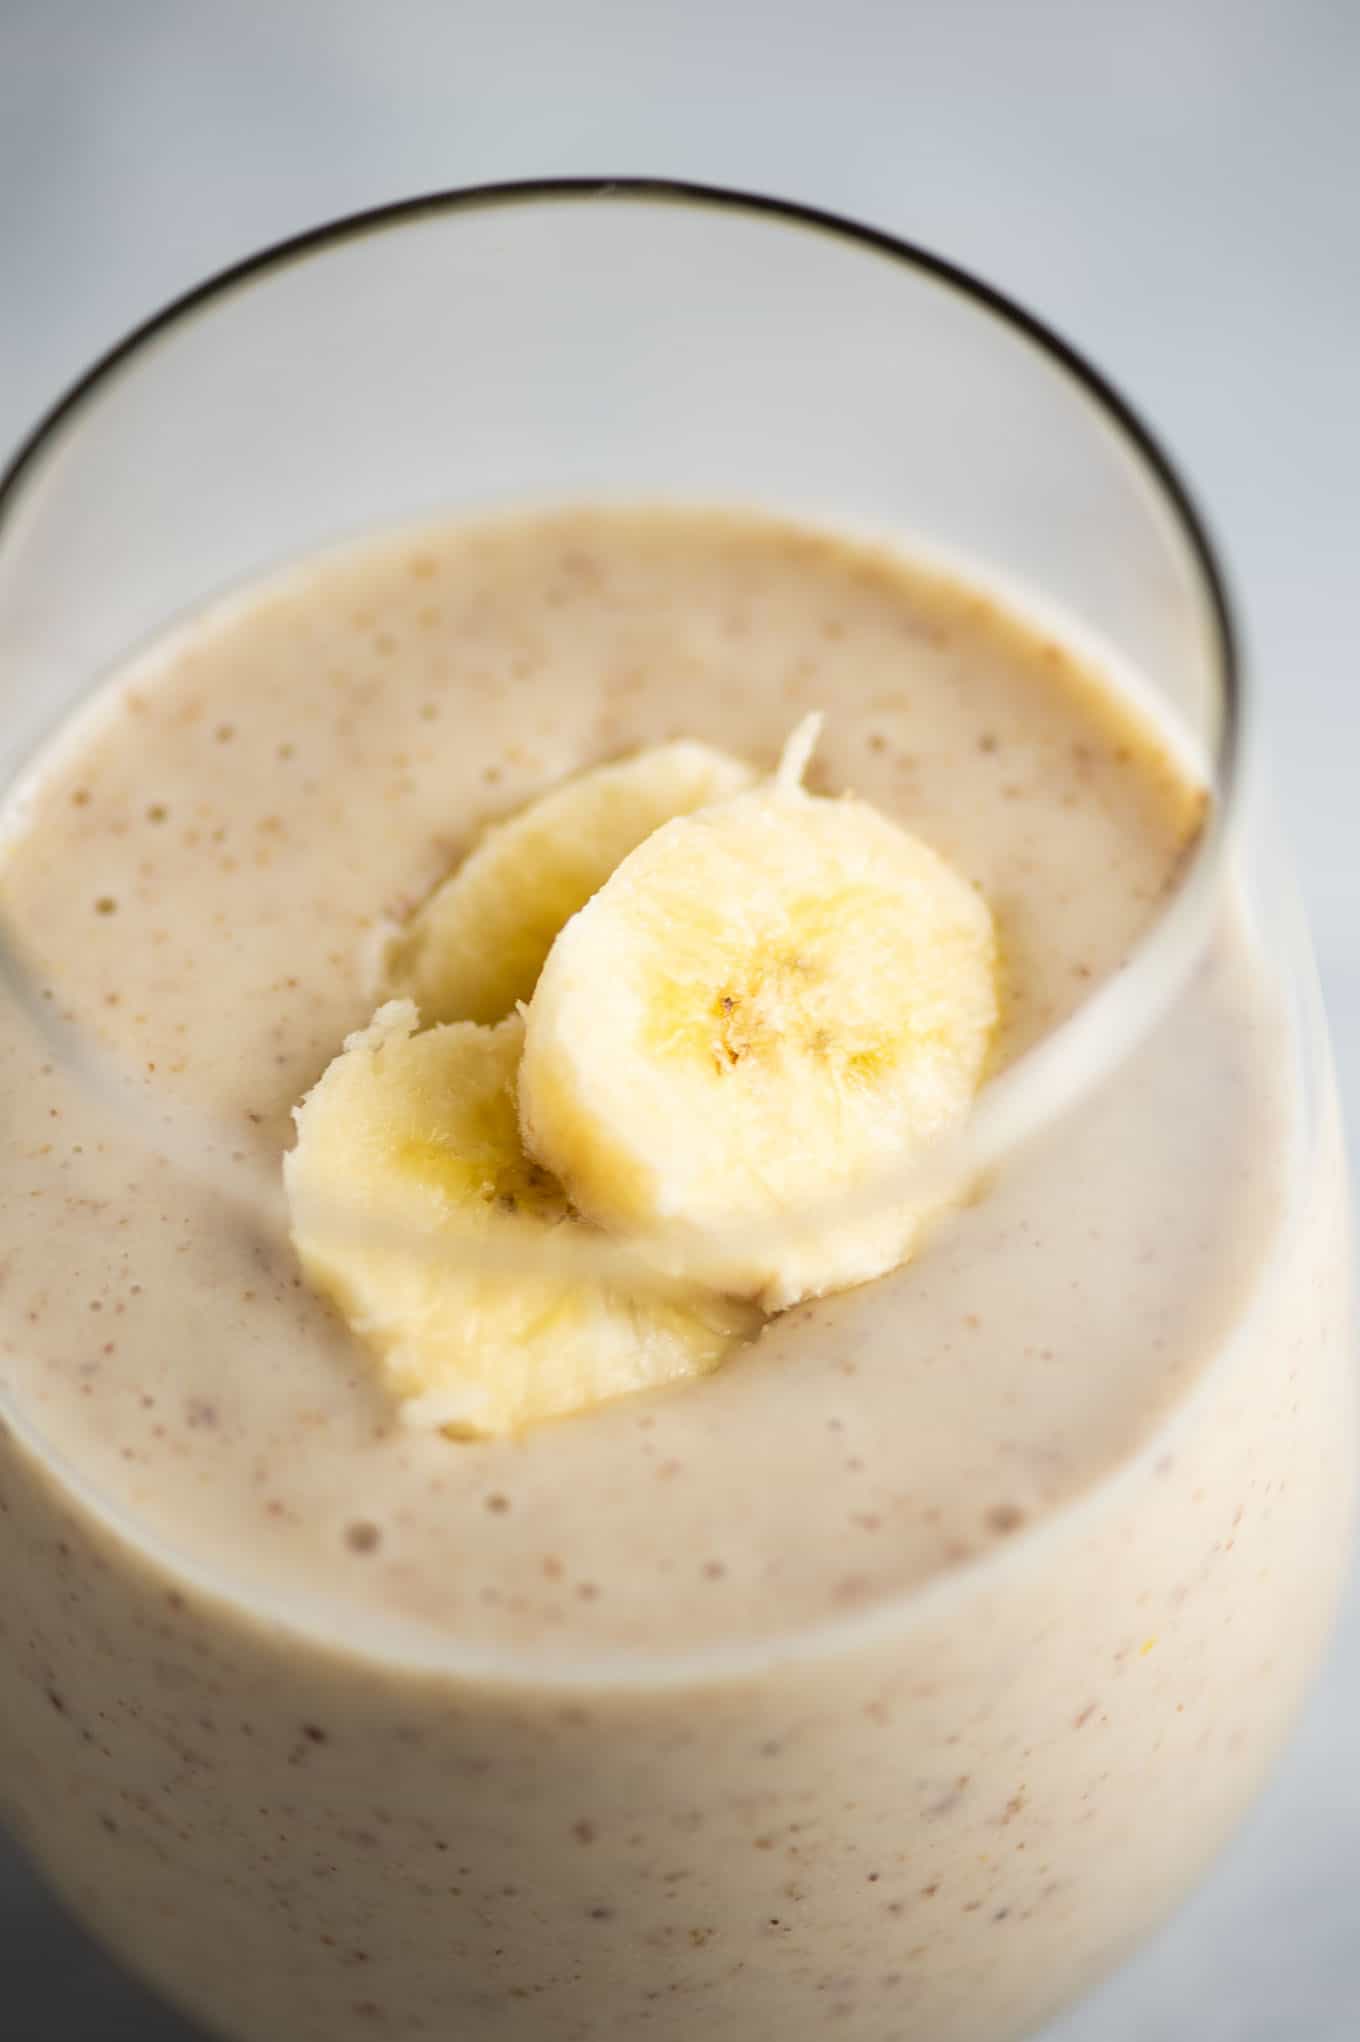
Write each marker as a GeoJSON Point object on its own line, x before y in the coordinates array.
{"type": "Point", "coordinates": [867, 1638]}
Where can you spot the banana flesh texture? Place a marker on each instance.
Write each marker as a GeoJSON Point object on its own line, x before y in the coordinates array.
{"type": "Point", "coordinates": [477, 945]}
{"type": "Point", "coordinates": [743, 1001]}
{"type": "Point", "coordinates": [769, 1001]}
{"type": "Point", "coordinates": [421, 1127]}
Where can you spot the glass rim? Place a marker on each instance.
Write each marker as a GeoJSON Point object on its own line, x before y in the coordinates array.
{"type": "Point", "coordinates": [1089, 380]}
{"type": "Point", "coordinates": [1170, 941]}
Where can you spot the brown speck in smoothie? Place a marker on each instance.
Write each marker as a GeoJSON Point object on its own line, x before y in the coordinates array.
{"type": "Point", "coordinates": [81, 798]}
{"type": "Point", "coordinates": [948, 1802]}
{"type": "Point", "coordinates": [106, 905]}
{"type": "Point", "coordinates": [1079, 1722]}
{"type": "Point", "coordinates": [362, 1536]}
{"type": "Point", "coordinates": [987, 742]}
{"type": "Point", "coordinates": [497, 1504]}
{"type": "Point", "coordinates": [1004, 1518]}
{"type": "Point", "coordinates": [713, 1570]}
{"type": "Point", "coordinates": [602, 1914]}
{"type": "Point", "coordinates": [584, 1831]}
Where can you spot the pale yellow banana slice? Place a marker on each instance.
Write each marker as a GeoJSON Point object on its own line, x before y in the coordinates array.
{"type": "Point", "coordinates": [768, 1003]}
{"type": "Point", "coordinates": [409, 1141]}
{"type": "Point", "coordinates": [478, 943]}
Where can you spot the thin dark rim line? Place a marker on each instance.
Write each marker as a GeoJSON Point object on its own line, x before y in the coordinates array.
{"type": "Point", "coordinates": [353, 226]}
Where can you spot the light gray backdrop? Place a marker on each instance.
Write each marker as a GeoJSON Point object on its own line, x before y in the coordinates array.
{"type": "Point", "coordinates": [1175, 184]}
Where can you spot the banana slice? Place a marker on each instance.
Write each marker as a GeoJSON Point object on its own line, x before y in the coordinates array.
{"type": "Point", "coordinates": [416, 1136]}
{"type": "Point", "coordinates": [478, 943]}
{"type": "Point", "coordinates": [768, 1002]}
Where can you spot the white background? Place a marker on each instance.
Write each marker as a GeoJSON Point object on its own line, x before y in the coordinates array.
{"type": "Point", "coordinates": [1176, 187]}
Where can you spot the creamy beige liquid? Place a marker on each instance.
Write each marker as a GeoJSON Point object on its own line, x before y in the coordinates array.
{"type": "Point", "coordinates": [623, 1727]}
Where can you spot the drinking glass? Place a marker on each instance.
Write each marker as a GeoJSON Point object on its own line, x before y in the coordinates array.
{"type": "Point", "coordinates": [1129, 1664]}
